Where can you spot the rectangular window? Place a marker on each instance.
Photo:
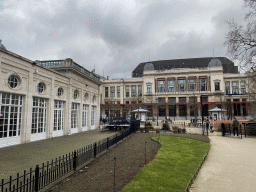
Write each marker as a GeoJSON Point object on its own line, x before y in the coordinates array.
{"type": "Point", "coordinates": [161, 100]}
{"type": "Point", "coordinates": [171, 99]}
{"type": "Point", "coordinates": [118, 91]}
{"type": "Point", "coordinates": [112, 102]}
{"type": "Point", "coordinates": [182, 99]}
{"type": "Point", "coordinates": [11, 109]}
{"type": "Point", "coordinates": [112, 91]}
{"type": "Point", "coordinates": [217, 86]}
{"type": "Point", "coordinates": [161, 86]}
{"type": "Point", "coordinates": [127, 91]}
{"type": "Point", "coordinates": [227, 87]}
{"type": "Point", "coordinates": [133, 91]}
{"type": "Point", "coordinates": [93, 115]}
{"type": "Point", "coordinates": [181, 84]}
{"type": "Point", "coordinates": [242, 84]}
{"type": "Point", "coordinates": [171, 86]}
{"type": "Point", "coordinates": [106, 91]}
{"type": "Point", "coordinates": [58, 115]}
{"type": "Point", "coordinates": [118, 102]}
{"type": "Point", "coordinates": [74, 115]}
{"type": "Point", "coordinates": [38, 115]}
{"type": "Point", "coordinates": [126, 102]}
{"type": "Point", "coordinates": [192, 84]}
{"type": "Point", "coordinates": [234, 88]}
{"type": "Point", "coordinates": [85, 115]}
{"type": "Point", "coordinates": [139, 90]}
{"type": "Point", "coordinates": [202, 84]}
{"type": "Point", "coordinates": [149, 89]}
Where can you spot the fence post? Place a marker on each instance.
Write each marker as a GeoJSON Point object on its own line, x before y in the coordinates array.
{"type": "Point", "coordinates": [241, 132]}
{"type": "Point", "coordinates": [95, 149]}
{"type": "Point", "coordinates": [229, 129]}
{"type": "Point", "coordinates": [36, 178]}
{"type": "Point", "coordinates": [184, 124]}
{"type": "Point", "coordinates": [244, 130]}
{"type": "Point", "coordinates": [107, 142]}
{"type": "Point", "coordinates": [74, 161]}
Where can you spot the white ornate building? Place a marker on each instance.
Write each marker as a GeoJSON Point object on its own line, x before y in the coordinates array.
{"type": "Point", "coordinates": [45, 99]}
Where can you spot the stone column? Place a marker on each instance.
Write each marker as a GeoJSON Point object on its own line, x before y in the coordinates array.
{"type": "Point", "coordinates": [50, 113]}
{"type": "Point", "coordinates": [188, 106]}
{"type": "Point", "coordinates": [208, 84]}
{"type": "Point", "coordinates": [186, 84]}
{"type": "Point", "coordinates": [176, 85]}
{"type": "Point", "coordinates": [197, 83]}
{"type": "Point", "coordinates": [27, 109]}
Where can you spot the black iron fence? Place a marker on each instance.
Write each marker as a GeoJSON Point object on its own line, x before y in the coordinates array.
{"type": "Point", "coordinates": [40, 177]}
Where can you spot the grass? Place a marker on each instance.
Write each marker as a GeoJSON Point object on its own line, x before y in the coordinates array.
{"type": "Point", "coordinates": [173, 167]}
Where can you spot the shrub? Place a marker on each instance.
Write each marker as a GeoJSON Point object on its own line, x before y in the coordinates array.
{"type": "Point", "coordinates": [166, 126]}
{"type": "Point", "coordinates": [183, 130]}
{"type": "Point", "coordinates": [149, 124]}
{"type": "Point", "coordinates": [175, 129]}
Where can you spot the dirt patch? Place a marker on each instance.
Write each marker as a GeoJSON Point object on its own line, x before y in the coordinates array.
{"type": "Point", "coordinates": [99, 174]}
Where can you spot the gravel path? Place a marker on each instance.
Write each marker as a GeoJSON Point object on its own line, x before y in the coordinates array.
{"type": "Point", "coordinates": [230, 166]}
{"type": "Point", "coordinates": [16, 159]}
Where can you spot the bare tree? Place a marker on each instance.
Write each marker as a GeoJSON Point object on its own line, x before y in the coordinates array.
{"type": "Point", "coordinates": [241, 44]}
{"type": "Point", "coordinates": [194, 106]}
{"type": "Point", "coordinates": [241, 41]}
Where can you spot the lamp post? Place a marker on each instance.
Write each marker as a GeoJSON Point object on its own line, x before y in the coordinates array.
{"type": "Point", "coordinates": [201, 99]}
{"type": "Point", "coordinates": [156, 113]}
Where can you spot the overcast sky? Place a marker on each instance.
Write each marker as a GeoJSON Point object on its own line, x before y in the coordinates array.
{"type": "Point", "coordinates": [115, 36]}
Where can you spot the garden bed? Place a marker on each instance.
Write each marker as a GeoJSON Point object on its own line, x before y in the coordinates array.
{"type": "Point", "coordinates": [99, 174]}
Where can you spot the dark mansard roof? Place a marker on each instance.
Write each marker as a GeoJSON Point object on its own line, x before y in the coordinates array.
{"type": "Point", "coordinates": [228, 66]}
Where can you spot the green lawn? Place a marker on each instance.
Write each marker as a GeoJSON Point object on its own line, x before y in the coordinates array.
{"type": "Point", "coordinates": [173, 167]}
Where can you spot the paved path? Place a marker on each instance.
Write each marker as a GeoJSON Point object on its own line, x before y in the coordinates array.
{"type": "Point", "coordinates": [230, 166]}
{"type": "Point", "coordinates": [18, 158]}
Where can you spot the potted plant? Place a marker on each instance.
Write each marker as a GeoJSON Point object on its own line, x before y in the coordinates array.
{"type": "Point", "coordinates": [148, 125]}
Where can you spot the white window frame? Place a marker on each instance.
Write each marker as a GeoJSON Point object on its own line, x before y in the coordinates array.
{"type": "Point", "coordinates": [85, 115]}
{"type": "Point", "coordinates": [93, 115]}
{"type": "Point", "coordinates": [74, 115]}
{"type": "Point", "coordinates": [58, 121]}
{"type": "Point", "coordinates": [149, 88]}
{"type": "Point", "coordinates": [41, 87]}
{"type": "Point", "coordinates": [39, 115]}
{"type": "Point", "coordinates": [12, 102]}
{"type": "Point", "coordinates": [13, 81]}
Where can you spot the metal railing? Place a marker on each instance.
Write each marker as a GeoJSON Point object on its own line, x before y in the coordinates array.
{"type": "Point", "coordinates": [40, 177]}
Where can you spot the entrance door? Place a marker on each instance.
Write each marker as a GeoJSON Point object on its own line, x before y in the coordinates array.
{"type": "Point", "coordinates": [74, 117]}
{"type": "Point", "coordinates": [58, 118]}
{"type": "Point", "coordinates": [162, 111]}
{"type": "Point", "coordinates": [172, 110]}
{"type": "Point", "coordinates": [183, 110]}
{"type": "Point", "coordinates": [236, 106]}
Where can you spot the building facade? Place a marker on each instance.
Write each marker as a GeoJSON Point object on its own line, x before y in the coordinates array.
{"type": "Point", "coordinates": [45, 99]}
{"type": "Point", "coordinates": [178, 92]}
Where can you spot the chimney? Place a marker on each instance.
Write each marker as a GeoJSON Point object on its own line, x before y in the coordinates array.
{"type": "Point", "coordinates": [107, 77]}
